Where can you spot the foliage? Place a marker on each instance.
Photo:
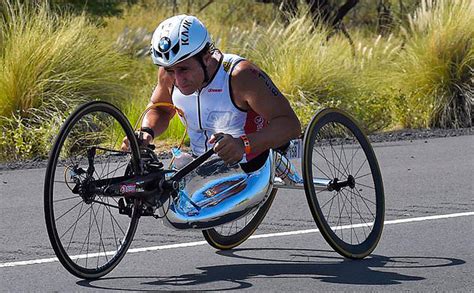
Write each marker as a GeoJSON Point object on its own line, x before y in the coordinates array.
{"type": "Point", "coordinates": [32, 135]}
{"type": "Point", "coordinates": [49, 61]}
{"type": "Point", "coordinates": [420, 75]}
{"type": "Point", "coordinates": [435, 75]}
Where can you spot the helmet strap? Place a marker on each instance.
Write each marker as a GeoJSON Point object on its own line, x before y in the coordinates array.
{"type": "Point", "coordinates": [204, 69]}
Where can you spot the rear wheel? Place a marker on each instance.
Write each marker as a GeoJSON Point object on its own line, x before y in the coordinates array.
{"type": "Point", "coordinates": [348, 201]}
{"type": "Point", "coordinates": [86, 230]}
{"type": "Point", "coordinates": [235, 233]}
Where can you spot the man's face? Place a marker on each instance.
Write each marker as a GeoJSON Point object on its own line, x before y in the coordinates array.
{"type": "Point", "coordinates": [188, 75]}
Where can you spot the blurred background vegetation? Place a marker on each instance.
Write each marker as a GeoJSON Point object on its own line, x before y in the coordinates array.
{"type": "Point", "coordinates": [391, 63]}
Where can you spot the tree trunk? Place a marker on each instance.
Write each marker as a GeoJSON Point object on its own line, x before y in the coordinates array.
{"type": "Point", "coordinates": [384, 17]}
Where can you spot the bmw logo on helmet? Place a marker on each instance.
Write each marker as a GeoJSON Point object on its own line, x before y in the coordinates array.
{"type": "Point", "coordinates": [164, 45]}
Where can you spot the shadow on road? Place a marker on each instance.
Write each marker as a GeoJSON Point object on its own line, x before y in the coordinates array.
{"type": "Point", "coordinates": [293, 264]}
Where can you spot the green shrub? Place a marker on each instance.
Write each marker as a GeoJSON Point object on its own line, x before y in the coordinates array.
{"type": "Point", "coordinates": [314, 73]}
{"type": "Point", "coordinates": [435, 72]}
{"type": "Point", "coordinates": [32, 135]}
{"type": "Point", "coordinates": [421, 77]}
{"type": "Point", "coordinates": [50, 64]}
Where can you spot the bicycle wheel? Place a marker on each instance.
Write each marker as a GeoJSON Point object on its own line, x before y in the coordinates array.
{"type": "Point", "coordinates": [343, 184]}
{"type": "Point", "coordinates": [86, 230]}
{"type": "Point", "coordinates": [232, 234]}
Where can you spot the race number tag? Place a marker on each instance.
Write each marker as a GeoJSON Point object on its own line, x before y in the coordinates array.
{"type": "Point", "coordinates": [295, 150]}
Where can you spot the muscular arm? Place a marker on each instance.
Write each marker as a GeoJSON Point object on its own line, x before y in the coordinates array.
{"type": "Point", "coordinates": [253, 89]}
{"type": "Point", "coordinates": [158, 118]}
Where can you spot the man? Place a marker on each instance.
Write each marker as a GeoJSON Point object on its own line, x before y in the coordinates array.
{"type": "Point", "coordinates": [221, 95]}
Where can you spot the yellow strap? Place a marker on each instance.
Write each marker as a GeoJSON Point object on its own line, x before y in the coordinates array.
{"type": "Point", "coordinates": [164, 104]}
{"type": "Point", "coordinates": [178, 110]}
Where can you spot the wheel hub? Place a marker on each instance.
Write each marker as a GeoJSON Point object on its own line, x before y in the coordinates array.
{"type": "Point", "coordinates": [351, 181]}
{"type": "Point", "coordinates": [337, 185]}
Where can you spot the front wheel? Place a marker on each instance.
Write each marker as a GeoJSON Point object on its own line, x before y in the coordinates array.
{"type": "Point", "coordinates": [343, 184]}
{"type": "Point", "coordinates": [89, 232]}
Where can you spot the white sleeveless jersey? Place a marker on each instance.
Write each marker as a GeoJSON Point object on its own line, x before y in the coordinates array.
{"type": "Point", "coordinates": [212, 109]}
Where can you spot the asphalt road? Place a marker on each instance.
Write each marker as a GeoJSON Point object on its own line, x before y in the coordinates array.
{"type": "Point", "coordinates": [427, 243]}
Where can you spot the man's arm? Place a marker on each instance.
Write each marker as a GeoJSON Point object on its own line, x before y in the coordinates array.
{"type": "Point", "coordinates": [253, 89]}
{"type": "Point", "coordinates": [158, 118]}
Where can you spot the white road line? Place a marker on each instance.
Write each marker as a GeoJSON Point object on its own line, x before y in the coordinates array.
{"type": "Point", "coordinates": [199, 243]}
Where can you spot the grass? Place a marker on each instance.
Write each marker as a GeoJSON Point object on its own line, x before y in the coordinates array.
{"type": "Point", "coordinates": [314, 73]}
{"type": "Point", "coordinates": [421, 75]}
{"type": "Point", "coordinates": [435, 71]}
{"type": "Point", "coordinates": [50, 64]}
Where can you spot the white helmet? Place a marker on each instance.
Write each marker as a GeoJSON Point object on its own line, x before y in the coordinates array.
{"type": "Point", "coordinates": [178, 38]}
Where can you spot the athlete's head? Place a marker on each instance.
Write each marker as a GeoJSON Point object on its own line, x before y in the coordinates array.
{"type": "Point", "coordinates": [174, 42]}
{"type": "Point", "coordinates": [177, 39]}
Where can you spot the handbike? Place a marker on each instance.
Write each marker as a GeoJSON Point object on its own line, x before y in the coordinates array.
{"type": "Point", "coordinates": [95, 194]}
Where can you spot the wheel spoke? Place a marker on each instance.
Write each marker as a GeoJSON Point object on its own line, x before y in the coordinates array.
{"type": "Point", "coordinates": [347, 212]}
{"type": "Point", "coordinates": [75, 223]}
{"type": "Point", "coordinates": [364, 198]}
{"type": "Point", "coordinates": [101, 202]}
{"type": "Point", "coordinates": [113, 227]}
{"type": "Point", "coordinates": [67, 198]}
{"type": "Point", "coordinates": [66, 212]}
{"type": "Point", "coordinates": [339, 217]}
{"type": "Point", "coordinates": [358, 183]}
{"type": "Point", "coordinates": [361, 217]}
{"type": "Point", "coordinates": [343, 160]}
{"type": "Point", "coordinates": [87, 238]}
{"type": "Point", "coordinates": [330, 206]}
{"type": "Point", "coordinates": [75, 226]}
{"type": "Point", "coordinates": [358, 170]}
{"type": "Point", "coordinates": [330, 163]}
{"type": "Point", "coordinates": [113, 172]}
{"type": "Point", "coordinates": [323, 155]}
{"type": "Point", "coordinates": [356, 209]}
{"type": "Point", "coordinates": [352, 159]}
{"type": "Point", "coordinates": [339, 163]}
{"type": "Point", "coordinates": [365, 202]}
{"type": "Point", "coordinates": [99, 231]}
{"type": "Point", "coordinates": [117, 223]}
{"type": "Point", "coordinates": [322, 171]}
{"type": "Point", "coordinates": [331, 199]}
{"type": "Point", "coordinates": [361, 176]}
{"type": "Point", "coordinates": [332, 156]}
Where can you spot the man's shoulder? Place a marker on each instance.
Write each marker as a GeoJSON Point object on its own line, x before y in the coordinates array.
{"type": "Point", "coordinates": [243, 68]}
{"type": "Point", "coordinates": [245, 72]}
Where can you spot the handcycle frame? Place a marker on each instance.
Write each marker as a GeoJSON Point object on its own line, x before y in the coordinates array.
{"type": "Point", "coordinates": [156, 188]}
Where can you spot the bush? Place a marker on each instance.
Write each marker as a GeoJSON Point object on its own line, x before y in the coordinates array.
{"type": "Point", "coordinates": [435, 72]}
{"type": "Point", "coordinates": [314, 73]}
{"type": "Point", "coordinates": [419, 77]}
{"type": "Point", "coordinates": [50, 64]}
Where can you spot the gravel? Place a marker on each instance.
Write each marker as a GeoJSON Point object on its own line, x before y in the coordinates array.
{"type": "Point", "coordinates": [399, 135]}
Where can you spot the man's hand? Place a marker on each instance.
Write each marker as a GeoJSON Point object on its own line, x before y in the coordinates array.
{"type": "Point", "coordinates": [144, 138]}
{"type": "Point", "coordinates": [228, 148]}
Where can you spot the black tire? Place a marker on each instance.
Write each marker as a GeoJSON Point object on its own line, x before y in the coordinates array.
{"type": "Point", "coordinates": [90, 237]}
{"type": "Point", "coordinates": [336, 148]}
{"type": "Point", "coordinates": [232, 234]}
